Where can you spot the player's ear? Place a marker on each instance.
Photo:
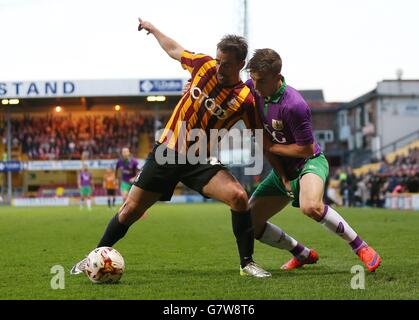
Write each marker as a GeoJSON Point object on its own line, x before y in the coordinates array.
{"type": "Point", "coordinates": [242, 64]}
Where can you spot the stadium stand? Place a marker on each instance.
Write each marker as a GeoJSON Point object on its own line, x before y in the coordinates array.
{"type": "Point", "coordinates": [76, 136]}
{"type": "Point", "coordinates": [371, 184]}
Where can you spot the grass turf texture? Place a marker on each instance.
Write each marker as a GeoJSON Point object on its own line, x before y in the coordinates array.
{"type": "Point", "coordinates": [189, 252]}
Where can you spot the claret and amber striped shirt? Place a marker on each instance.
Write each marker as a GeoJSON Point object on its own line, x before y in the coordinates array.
{"type": "Point", "coordinates": [207, 105]}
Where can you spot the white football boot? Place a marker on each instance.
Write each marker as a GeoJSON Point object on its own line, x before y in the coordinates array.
{"type": "Point", "coordinates": [79, 267]}
{"type": "Point", "coordinates": [253, 270]}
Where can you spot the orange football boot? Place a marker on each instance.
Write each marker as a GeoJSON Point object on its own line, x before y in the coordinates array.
{"type": "Point", "coordinates": [370, 258]}
{"type": "Point", "coordinates": [294, 263]}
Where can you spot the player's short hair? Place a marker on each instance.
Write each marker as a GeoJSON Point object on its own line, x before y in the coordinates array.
{"type": "Point", "coordinates": [233, 43]}
{"type": "Point", "coordinates": [265, 60]}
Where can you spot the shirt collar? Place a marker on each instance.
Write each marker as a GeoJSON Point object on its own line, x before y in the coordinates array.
{"type": "Point", "coordinates": [278, 94]}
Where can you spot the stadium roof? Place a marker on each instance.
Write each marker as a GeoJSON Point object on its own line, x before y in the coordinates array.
{"type": "Point", "coordinates": [312, 95]}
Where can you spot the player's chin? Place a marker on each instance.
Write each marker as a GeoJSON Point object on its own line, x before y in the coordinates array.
{"type": "Point", "coordinates": [261, 93]}
{"type": "Point", "coordinates": [221, 80]}
{"type": "Point", "coordinates": [225, 83]}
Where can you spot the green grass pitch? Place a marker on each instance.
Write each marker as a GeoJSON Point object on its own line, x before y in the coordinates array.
{"type": "Point", "coordinates": [189, 252]}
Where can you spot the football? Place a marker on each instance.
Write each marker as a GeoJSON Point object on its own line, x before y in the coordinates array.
{"type": "Point", "coordinates": [104, 265]}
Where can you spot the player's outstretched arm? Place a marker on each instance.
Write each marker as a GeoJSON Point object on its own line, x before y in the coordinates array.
{"type": "Point", "coordinates": [172, 48]}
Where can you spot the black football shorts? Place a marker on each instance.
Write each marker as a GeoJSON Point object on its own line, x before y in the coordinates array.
{"type": "Point", "coordinates": [163, 178]}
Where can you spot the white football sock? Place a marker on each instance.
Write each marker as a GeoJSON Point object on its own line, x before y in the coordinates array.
{"type": "Point", "coordinates": [89, 204]}
{"type": "Point", "coordinates": [334, 222]}
{"type": "Point", "coordinates": [277, 238]}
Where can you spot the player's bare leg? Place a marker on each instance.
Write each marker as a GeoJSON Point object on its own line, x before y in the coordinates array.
{"type": "Point", "coordinates": [136, 204]}
{"type": "Point", "coordinates": [125, 195]}
{"type": "Point", "coordinates": [224, 187]}
{"type": "Point", "coordinates": [311, 196]}
{"type": "Point", "coordinates": [311, 203]}
{"type": "Point", "coordinates": [265, 207]}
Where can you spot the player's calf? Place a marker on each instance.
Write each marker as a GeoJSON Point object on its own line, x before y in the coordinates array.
{"type": "Point", "coordinates": [335, 223]}
{"type": "Point", "coordinates": [130, 212]}
{"type": "Point", "coordinates": [275, 237]}
{"type": "Point", "coordinates": [115, 231]}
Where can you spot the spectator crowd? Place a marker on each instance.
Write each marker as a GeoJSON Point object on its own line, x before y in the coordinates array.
{"type": "Point", "coordinates": [370, 189]}
{"type": "Point", "coordinates": [52, 137]}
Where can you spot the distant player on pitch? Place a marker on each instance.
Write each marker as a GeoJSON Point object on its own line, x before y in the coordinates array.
{"type": "Point", "coordinates": [85, 184]}
{"type": "Point", "coordinates": [110, 185]}
{"type": "Point", "coordinates": [126, 170]}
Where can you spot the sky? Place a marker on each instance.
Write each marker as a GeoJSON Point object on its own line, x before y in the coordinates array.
{"type": "Point", "coordinates": [341, 47]}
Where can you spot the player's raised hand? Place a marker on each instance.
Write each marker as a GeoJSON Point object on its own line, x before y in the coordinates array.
{"type": "Point", "coordinates": [172, 48]}
{"type": "Point", "coordinates": [187, 86]}
{"type": "Point", "coordinates": [146, 26]}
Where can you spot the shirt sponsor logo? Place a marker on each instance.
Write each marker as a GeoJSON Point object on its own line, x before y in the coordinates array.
{"type": "Point", "coordinates": [209, 103]}
{"type": "Point", "coordinates": [232, 102]}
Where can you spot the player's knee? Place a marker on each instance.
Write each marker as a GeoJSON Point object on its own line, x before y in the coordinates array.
{"type": "Point", "coordinates": [239, 200]}
{"type": "Point", "coordinates": [312, 209]}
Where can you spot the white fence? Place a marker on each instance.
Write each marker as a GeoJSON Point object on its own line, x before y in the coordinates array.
{"type": "Point", "coordinates": [402, 201]}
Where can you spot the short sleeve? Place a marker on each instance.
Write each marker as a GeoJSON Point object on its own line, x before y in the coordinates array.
{"type": "Point", "coordinates": [300, 125]}
{"type": "Point", "coordinates": [192, 62]}
{"type": "Point", "coordinates": [250, 116]}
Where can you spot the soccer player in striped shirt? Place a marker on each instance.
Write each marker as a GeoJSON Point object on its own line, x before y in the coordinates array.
{"type": "Point", "coordinates": [217, 100]}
